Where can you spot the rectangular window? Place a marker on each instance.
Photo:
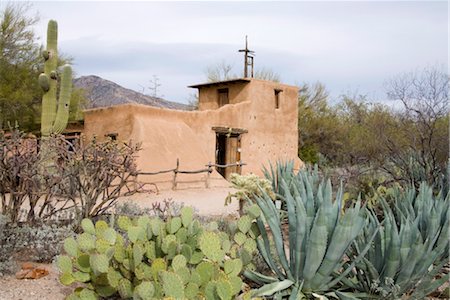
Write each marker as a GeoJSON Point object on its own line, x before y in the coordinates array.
{"type": "Point", "coordinates": [112, 136]}
{"type": "Point", "coordinates": [223, 97]}
{"type": "Point", "coordinates": [277, 98]}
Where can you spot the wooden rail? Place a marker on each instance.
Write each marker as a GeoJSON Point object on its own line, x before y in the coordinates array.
{"type": "Point", "coordinates": [177, 171]}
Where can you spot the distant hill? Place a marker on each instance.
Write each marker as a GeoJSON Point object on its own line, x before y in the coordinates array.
{"type": "Point", "coordinates": [103, 93]}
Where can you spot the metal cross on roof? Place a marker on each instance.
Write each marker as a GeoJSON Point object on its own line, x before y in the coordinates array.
{"type": "Point", "coordinates": [248, 60]}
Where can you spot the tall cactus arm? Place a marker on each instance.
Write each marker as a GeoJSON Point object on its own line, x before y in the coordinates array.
{"type": "Point", "coordinates": [51, 63]}
{"type": "Point", "coordinates": [55, 112]}
{"type": "Point", "coordinates": [62, 115]}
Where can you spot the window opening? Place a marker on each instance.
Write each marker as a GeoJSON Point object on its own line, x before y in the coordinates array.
{"type": "Point", "coordinates": [223, 97]}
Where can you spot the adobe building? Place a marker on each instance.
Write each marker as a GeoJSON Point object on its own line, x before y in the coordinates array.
{"type": "Point", "coordinates": [243, 120]}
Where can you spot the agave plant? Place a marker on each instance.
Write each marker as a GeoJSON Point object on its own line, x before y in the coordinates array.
{"type": "Point", "coordinates": [318, 239]}
{"type": "Point", "coordinates": [282, 170]}
{"type": "Point", "coordinates": [410, 249]}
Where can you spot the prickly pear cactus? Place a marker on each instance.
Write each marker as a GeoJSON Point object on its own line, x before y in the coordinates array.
{"type": "Point", "coordinates": [55, 112]}
{"type": "Point", "coordinates": [148, 258]}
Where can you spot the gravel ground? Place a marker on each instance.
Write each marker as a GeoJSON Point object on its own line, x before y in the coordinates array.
{"type": "Point", "coordinates": [45, 288]}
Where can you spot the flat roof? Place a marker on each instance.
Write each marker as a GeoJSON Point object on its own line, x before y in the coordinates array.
{"type": "Point", "coordinates": [238, 80]}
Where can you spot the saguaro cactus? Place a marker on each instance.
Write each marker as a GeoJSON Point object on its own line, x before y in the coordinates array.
{"type": "Point", "coordinates": [55, 112]}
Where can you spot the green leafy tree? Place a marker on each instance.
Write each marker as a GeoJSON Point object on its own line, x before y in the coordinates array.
{"type": "Point", "coordinates": [19, 67]}
{"type": "Point", "coordinates": [319, 133]}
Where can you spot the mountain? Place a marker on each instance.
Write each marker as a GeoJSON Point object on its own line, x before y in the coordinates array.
{"type": "Point", "coordinates": [103, 93]}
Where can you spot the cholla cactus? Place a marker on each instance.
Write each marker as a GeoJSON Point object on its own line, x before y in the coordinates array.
{"type": "Point", "coordinates": [248, 187]}
{"type": "Point", "coordinates": [55, 112]}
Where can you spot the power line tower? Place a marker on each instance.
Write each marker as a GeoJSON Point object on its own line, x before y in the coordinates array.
{"type": "Point", "coordinates": [248, 59]}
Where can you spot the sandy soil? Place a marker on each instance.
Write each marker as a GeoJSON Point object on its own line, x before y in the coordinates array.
{"type": "Point", "coordinates": [47, 287]}
{"type": "Point", "coordinates": [208, 202]}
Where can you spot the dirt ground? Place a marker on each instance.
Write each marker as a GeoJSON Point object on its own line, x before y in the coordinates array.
{"type": "Point", "coordinates": [47, 287]}
{"type": "Point", "coordinates": [206, 201]}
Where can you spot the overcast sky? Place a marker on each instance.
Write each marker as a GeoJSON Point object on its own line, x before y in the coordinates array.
{"type": "Point", "coordinates": [348, 46]}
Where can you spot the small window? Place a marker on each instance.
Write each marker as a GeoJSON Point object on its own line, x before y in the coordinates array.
{"type": "Point", "coordinates": [277, 98]}
{"type": "Point", "coordinates": [112, 136]}
{"type": "Point", "coordinates": [223, 97]}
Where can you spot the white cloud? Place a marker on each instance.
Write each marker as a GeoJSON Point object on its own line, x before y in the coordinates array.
{"type": "Point", "coordinates": [343, 44]}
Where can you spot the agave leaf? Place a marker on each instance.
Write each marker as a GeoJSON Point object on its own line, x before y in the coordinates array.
{"type": "Point", "coordinates": [326, 286]}
{"type": "Point", "coordinates": [263, 243]}
{"type": "Point", "coordinates": [293, 226]}
{"type": "Point", "coordinates": [316, 248]}
{"type": "Point", "coordinates": [258, 277]}
{"type": "Point", "coordinates": [272, 288]}
{"type": "Point", "coordinates": [266, 204]}
{"type": "Point", "coordinates": [300, 246]}
{"type": "Point", "coordinates": [393, 255]}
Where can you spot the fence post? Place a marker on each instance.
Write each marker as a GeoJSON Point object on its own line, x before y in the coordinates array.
{"type": "Point", "coordinates": [208, 175]}
{"type": "Point", "coordinates": [175, 172]}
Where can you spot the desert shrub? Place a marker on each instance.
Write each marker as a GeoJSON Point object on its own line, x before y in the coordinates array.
{"type": "Point", "coordinates": [86, 178]}
{"type": "Point", "coordinates": [97, 174]}
{"type": "Point", "coordinates": [37, 242]}
{"type": "Point", "coordinates": [7, 265]}
{"type": "Point", "coordinates": [152, 258]}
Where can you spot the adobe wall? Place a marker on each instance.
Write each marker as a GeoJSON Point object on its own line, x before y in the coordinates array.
{"type": "Point", "coordinates": [170, 134]}
{"type": "Point", "coordinates": [238, 93]}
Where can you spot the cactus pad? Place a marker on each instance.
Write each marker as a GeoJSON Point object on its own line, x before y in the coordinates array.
{"type": "Point", "coordinates": [233, 267]}
{"type": "Point", "coordinates": [179, 262]}
{"type": "Point", "coordinates": [108, 235]}
{"type": "Point", "coordinates": [82, 263]}
{"type": "Point", "coordinates": [124, 223]}
{"type": "Point", "coordinates": [236, 284]}
{"type": "Point", "coordinates": [86, 241]}
{"type": "Point", "coordinates": [125, 288]}
{"type": "Point", "coordinates": [88, 226]}
{"type": "Point", "coordinates": [173, 225]}
{"type": "Point", "coordinates": [81, 276]}
{"type": "Point", "coordinates": [209, 243]}
{"type": "Point", "coordinates": [187, 214]}
{"type": "Point", "coordinates": [138, 253]}
{"type": "Point", "coordinates": [172, 285]}
{"type": "Point", "coordinates": [253, 211]}
{"type": "Point", "coordinates": [191, 290]}
{"type": "Point", "coordinates": [99, 263]}
{"type": "Point", "coordinates": [102, 245]}
{"type": "Point", "coordinates": [100, 227]}
{"type": "Point", "coordinates": [66, 278]}
{"type": "Point", "coordinates": [136, 233]}
{"type": "Point", "coordinates": [196, 258]}
{"type": "Point", "coordinates": [158, 265]}
{"type": "Point", "coordinates": [150, 250]}
{"type": "Point", "coordinates": [244, 224]}
{"type": "Point", "coordinates": [64, 264]}
{"type": "Point", "coordinates": [240, 238]}
{"type": "Point", "coordinates": [224, 289]}
{"type": "Point", "coordinates": [113, 277]}
{"type": "Point", "coordinates": [71, 246]}
{"type": "Point", "coordinates": [145, 291]}
{"type": "Point", "coordinates": [206, 271]}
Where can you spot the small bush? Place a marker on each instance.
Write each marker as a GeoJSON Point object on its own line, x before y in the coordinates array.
{"type": "Point", "coordinates": [39, 243]}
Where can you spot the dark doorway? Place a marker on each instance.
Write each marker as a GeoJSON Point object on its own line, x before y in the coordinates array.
{"type": "Point", "coordinates": [228, 152]}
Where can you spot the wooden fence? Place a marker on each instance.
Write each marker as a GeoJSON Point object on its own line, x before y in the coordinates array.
{"type": "Point", "coordinates": [209, 169]}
